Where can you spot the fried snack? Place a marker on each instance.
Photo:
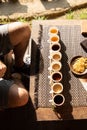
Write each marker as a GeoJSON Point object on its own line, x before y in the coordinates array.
{"type": "Point", "coordinates": [86, 63]}
{"type": "Point", "coordinates": [80, 65]}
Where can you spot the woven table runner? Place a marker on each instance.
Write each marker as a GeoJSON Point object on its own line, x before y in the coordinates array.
{"type": "Point", "coordinates": [73, 91]}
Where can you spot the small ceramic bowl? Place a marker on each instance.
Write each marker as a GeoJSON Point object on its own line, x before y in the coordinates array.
{"type": "Point", "coordinates": [73, 61]}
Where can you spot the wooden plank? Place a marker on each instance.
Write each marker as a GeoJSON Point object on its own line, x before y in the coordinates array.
{"type": "Point", "coordinates": [48, 113]}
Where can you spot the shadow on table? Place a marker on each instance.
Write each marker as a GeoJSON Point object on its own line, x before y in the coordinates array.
{"type": "Point", "coordinates": [65, 111]}
{"type": "Point", "coordinates": [37, 64]}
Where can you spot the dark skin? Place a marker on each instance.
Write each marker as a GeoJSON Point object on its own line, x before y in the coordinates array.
{"type": "Point", "coordinates": [19, 34]}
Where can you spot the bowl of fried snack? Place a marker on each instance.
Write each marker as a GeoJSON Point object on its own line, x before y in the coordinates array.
{"type": "Point", "coordinates": [78, 65]}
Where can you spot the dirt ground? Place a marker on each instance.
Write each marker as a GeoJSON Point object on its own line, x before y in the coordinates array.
{"type": "Point", "coordinates": [30, 8]}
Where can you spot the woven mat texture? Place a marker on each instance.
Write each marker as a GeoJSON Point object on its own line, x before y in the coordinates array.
{"type": "Point", "coordinates": [73, 91]}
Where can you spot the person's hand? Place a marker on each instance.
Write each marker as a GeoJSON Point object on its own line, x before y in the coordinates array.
{"type": "Point", "coordinates": [2, 69]}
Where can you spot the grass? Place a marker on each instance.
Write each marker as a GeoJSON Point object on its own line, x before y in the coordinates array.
{"type": "Point", "coordinates": [83, 15]}
{"type": "Point", "coordinates": [77, 14]}
{"type": "Point", "coordinates": [69, 15]}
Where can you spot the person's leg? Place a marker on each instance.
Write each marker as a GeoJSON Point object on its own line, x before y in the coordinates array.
{"type": "Point", "coordinates": [17, 96]}
{"type": "Point", "coordinates": [12, 93]}
{"type": "Point", "coordinates": [19, 34]}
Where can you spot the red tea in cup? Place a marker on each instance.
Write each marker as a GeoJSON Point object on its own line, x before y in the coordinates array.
{"type": "Point", "coordinates": [56, 76]}
{"type": "Point", "coordinates": [54, 39]}
{"type": "Point", "coordinates": [53, 30]}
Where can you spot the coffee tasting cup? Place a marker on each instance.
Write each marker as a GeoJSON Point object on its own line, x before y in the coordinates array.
{"type": "Point", "coordinates": [56, 88]}
{"type": "Point", "coordinates": [53, 30]}
{"type": "Point", "coordinates": [55, 77]}
{"type": "Point", "coordinates": [55, 66]}
{"type": "Point", "coordinates": [55, 47]}
{"type": "Point", "coordinates": [53, 39]}
{"type": "Point", "coordinates": [55, 56]}
{"type": "Point", "coordinates": [57, 100]}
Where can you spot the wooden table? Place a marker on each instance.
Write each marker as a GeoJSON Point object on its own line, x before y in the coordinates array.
{"type": "Point", "coordinates": [48, 113]}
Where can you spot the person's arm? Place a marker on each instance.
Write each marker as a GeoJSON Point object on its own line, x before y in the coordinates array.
{"type": "Point", "coordinates": [2, 69]}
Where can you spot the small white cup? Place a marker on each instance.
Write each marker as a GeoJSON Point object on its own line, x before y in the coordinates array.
{"type": "Point", "coordinates": [55, 47]}
{"type": "Point", "coordinates": [58, 100]}
{"type": "Point", "coordinates": [53, 30]}
{"type": "Point", "coordinates": [55, 77]}
{"type": "Point", "coordinates": [54, 38]}
{"type": "Point", "coordinates": [55, 56]}
{"type": "Point", "coordinates": [55, 66]}
{"type": "Point", "coordinates": [56, 88]}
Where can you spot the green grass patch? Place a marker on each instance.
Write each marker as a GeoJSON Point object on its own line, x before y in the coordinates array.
{"type": "Point", "coordinates": [83, 15]}
{"type": "Point", "coordinates": [69, 15]}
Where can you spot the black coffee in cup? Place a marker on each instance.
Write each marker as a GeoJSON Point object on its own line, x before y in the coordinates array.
{"type": "Point", "coordinates": [55, 47]}
{"type": "Point", "coordinates": [59, 99]}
